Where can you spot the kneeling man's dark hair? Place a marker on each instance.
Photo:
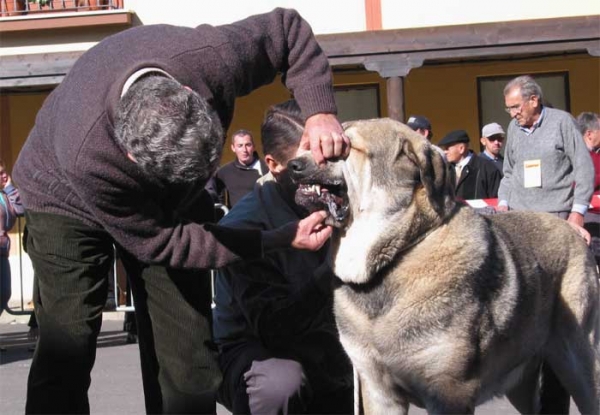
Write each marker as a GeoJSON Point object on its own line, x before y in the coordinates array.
{"type": "Point", "coordinates": [171, 131]}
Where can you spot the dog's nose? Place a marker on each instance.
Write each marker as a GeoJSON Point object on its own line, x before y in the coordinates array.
{"type": "Point", "coordinates": [296, 165]}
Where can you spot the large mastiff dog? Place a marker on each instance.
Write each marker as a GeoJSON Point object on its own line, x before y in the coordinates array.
{"type": "Point", "coordinates": [438, 305]}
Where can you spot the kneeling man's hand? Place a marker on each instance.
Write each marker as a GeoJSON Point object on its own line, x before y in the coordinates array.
{"type": "Point", "coordinates": [309, 234]}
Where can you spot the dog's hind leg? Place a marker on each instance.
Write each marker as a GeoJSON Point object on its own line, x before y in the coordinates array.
{"type": "Point", "coordinates": [575, 361]}
{"type": "Point", "coordinates": [525, 394]}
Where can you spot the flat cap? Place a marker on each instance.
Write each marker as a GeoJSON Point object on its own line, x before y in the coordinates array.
{"type": "Point", "coordinates": [453, 137]}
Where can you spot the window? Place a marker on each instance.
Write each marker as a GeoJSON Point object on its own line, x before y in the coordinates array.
{"type": "Point", "coordinates": [356, 102]}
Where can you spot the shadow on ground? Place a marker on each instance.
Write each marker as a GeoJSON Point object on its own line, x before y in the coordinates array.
{"type": "Point", "coordinates": [17, 346]}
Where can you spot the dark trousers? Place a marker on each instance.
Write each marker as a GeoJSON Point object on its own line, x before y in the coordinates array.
{"type": "Point", "coordinates": [71, 263]}
{"type": "Point", "coordinates": [235, 360]}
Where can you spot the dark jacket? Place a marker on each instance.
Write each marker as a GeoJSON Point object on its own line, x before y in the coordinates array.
{"type": "Point", "coordinates": [284, 301]}
{"type": "Point", "coordinates": [479, 179]}
{"type": "Point", "coordinates": [71, 164]}
{"type": "Point", "coordinates": [499, 162]}
{"type": "Point", "coordinates": [235, 180]}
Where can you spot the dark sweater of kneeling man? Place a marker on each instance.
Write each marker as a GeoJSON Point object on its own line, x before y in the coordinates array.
{"type": "Point", "coordinates": [273, 321]}
{"type": "Point", "coordinates": [476, 178]}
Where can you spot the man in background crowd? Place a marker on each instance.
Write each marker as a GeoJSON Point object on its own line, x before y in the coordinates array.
{"type": "Point", "coordinates": [589, 126]}
{"type": "Point", "coordinates": [492, 139]}
{"type": "Point", "coordinates": [421, 125]}
{"type": "Point", "coordinates": [236, 179]}
{"type": "Point", "coordinates": [476, 177]}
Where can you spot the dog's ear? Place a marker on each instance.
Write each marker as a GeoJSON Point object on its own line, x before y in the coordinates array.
{"type": "Point", "coordinates": [436, 176]}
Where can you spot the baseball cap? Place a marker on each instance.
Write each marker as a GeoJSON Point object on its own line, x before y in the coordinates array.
{"type": "Point", "coordinates": [418, 121]}
{"type": "Point", "coordinates": [491, 129]}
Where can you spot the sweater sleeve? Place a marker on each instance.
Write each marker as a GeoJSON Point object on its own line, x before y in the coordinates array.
{"type": "Point", "coordinates": [507, 168]}
{"type": "Point", "coordinates": [143, 219]}
{"type": "Point", "coordinates": [281, 41]}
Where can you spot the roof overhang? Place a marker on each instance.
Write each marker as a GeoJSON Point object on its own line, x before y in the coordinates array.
{"type": "Point", "coordinates": [388, 52]}
{"type": "Point", "coordinates": [396, 52]}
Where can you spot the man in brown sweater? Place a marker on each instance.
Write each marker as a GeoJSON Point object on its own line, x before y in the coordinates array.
{"type": "Point", "coordinates": [118, 159]}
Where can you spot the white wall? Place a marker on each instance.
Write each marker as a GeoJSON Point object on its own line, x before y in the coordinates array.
{"type": "Point", "coordinates": [400, 14]}
{"type": "Point", "coordinates": [325, 16]}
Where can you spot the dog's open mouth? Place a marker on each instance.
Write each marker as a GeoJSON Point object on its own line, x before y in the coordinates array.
{"type": "Point", "coordinates": [331, 197]}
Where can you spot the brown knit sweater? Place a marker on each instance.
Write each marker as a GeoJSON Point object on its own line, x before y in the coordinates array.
{"type": "Point", "coordinates": [71, 164]}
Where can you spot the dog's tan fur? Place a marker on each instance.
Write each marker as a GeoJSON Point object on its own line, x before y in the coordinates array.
{"type": "Point", "coordinates": [443, 307]}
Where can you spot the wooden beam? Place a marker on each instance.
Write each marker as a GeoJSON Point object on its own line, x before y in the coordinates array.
{"type": "Point", "coordinates": [483, 35]}
{"type": "Point", "coordinates": [388, 52]}
{"type": "Point", "coordinates": [36, 69]}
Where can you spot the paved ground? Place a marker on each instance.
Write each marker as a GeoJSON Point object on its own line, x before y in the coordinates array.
{"type": "Point", "coordinates": [116, 380]}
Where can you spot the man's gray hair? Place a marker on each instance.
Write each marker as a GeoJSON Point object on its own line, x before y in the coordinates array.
{"type": "Point", "coordinates": [588, 121]}
{"type": "Point", "coordinates": [528, 87]}
{"type": "Point", "coordinates": [171, 131]}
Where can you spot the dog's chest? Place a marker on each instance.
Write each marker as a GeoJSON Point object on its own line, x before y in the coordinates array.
{"type": "Point", "coordinates": [371, 300]}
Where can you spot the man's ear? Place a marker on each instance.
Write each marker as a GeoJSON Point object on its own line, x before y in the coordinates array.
{"type": "Point", "coordinates": [273, 165]}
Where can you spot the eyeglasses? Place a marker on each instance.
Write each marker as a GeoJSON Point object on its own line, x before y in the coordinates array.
{"type": "Point", "coordinates": [495, 138]}
{"type": "Point", "coordinates": [517, 108]}
{"type": "Point", "coordinates": [514, 108]}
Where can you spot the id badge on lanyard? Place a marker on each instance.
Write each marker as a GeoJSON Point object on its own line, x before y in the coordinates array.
{"type": "Point", "coordinates": [532, 173]}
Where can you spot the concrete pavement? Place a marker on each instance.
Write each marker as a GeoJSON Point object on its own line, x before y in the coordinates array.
{"type": "Point", "coordinates": [116, 378]}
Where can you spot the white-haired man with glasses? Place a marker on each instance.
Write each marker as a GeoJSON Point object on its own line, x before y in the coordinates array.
{"type": "Point", "coordinates": [544, 157]}
{"type": "Point", "coordinates": [547, 168]}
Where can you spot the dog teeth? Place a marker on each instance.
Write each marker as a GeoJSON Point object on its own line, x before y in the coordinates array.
{"type": "Point", "coordinates": [313, 188]}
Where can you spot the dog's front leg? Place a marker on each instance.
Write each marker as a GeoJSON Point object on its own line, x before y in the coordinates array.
{"type": "Point", "coordinates": [378, 397]}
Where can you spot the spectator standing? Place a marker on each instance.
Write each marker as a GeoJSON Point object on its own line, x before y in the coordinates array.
{"type": "Point", "coordinates": [421, 125]}
{"type": "Point", "coordinates": [10, 208]}
{"type": "Point", "coordinates": [589, 127]}
{"type": "Point", "coordinates": [492, 139]}
{"type": "Point", "coordinates": [273, 320]}
{"type": "Point", "coordinates": [547, 168]}
{"type": "Point", "coordinates": [476, 177]}
{"type": "Point", "coordinates": [544, 157]}
{"type": "Point", "coordinates": [236, 179]}
{"type": "Point", "coordinates": [118, 157]}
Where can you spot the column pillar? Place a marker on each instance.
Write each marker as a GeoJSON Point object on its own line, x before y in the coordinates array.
{"type": "Point", "coordinates": [395, 98]}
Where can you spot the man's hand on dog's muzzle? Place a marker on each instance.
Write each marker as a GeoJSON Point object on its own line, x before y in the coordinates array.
{"type": "Point", "coordinates": [325, 138]}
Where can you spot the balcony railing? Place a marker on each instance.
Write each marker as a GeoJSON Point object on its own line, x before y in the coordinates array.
{"type": "Point", "coordinates": [10, 8]}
